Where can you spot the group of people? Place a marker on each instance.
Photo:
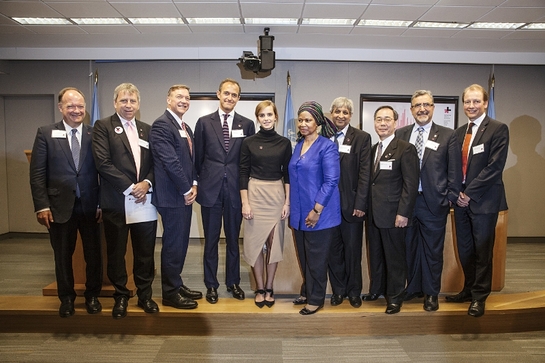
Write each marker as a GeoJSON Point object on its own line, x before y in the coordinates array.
{"type": "Point", "coordinates": [333, 180]}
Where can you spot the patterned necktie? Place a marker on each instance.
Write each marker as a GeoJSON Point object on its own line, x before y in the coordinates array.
{"type": "Point", "coordinates": [420, 143]}
{"type": "Point", "coordinates": [465, 148]}
{"type": "Point", "coordinates": [188, 138]}
{"type": "Point", "coordinates": [337, 136]}
{"type": "Point", "coordinates": [135, 148]}
{"type": "Point", "coordinates": [75, 155]}
{"type": "Point", "coordinates": [379, 154]}
{"type": "Point", "coordinates": [225, 132]}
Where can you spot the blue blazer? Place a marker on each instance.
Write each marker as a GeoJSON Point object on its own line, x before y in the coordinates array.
{"type": "Point", "coordinates": [173, 163]}
{"type": "Point", "coordinates": [314, 178]}
{"type": "Point", "coordinates": [213, 163]}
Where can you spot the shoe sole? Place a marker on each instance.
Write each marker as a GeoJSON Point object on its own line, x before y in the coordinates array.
{"type": "Point", "coordinates": [168, 303]}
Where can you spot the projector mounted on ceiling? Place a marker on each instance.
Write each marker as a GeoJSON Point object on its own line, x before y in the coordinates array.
{"type": "Point", "coordinates": [266, 59]}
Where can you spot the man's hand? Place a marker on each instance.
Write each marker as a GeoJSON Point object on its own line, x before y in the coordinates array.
{"type": "Point", "coordinates": [463, 200]}
{"type": "Point", "coordinates": [358, 213]}
{"type": "Point", "coordinates": [190, 198]}
{"type": "Point", "coordinates": [401, 222]}
{"type": "Point", "coordinates": [45, 217]}
{"type": "Point", "coordinates": [139, 191]}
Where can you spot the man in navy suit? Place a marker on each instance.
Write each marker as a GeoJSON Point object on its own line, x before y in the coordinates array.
{"type": "Point", "coordinates": [485, 143]}
{"type": "Point", "coordinates": [124, 162]}
{"type": "Point", "coordinates": [218, 138]}
{"type": "Point", "coordinates": [440, 182]}
{"type": "Point", "coordinates": [175, 190]}
{"type": "Point", "coordinates": [393, 190]}
{"type": "Point", "coordinates": [355, 157]}
{"type": "Point", "coordinates": [64, 184]}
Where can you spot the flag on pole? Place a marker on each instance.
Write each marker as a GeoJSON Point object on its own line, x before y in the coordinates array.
{"type": "Point", "coordinates": [289, 118]}
{"type": "Point", "coordinates": [491, 112]}
{"type": "Point", "coordinates": [95, 110]}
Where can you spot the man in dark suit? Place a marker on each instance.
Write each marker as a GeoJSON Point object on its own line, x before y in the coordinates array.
{"type": "Point", "coordinates": [355, 158]}
{"type": "Point", "coordinates": [393, 190]}
{"type": "Point", "coordinates": [125, 165]}
{"type": "Point", "coordinates": [64, 184]}
{"type": "Point", "coordinates": [218, 138]}
{"type": "Point", "coordinates": [485, 143]}
{"type": "Point", "coordinates": [175, 190]}
{"type": "Point", "coordinates": [440, 182]}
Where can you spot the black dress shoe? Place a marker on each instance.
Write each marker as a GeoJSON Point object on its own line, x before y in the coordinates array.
{"type": "Point", "coordinates": [431, 303]}
{"type": "Point", "coordinates": [413, 295]}
{"type": "Point", "coordinates": [67, 308]}
{"type": "Point", "coordinates": [120, 307]}
{"type": "Point", "coordinates": [301, 300]}
{"type": "Point", "coordinates": [180, 302]}
{"type": "Point", "coordinates": [336, 299]}
{"type": "Point", "coordinates": [476, 308]}
{"type": "Point", "coordinates": [92, 305]}
{"type": "Point", "coordinates": [269, 303]}
{"type": "Point", "coordinates": [236, 291]}
{"type": "Point", "coordinates": [355, 301]}
{"type": "Point", "coordinates": [459, 298]}
{"type": "Point", "coordinates": [212, 295]}
{"type": "Point", "coordinates": [393, 308]}
{"type": "Point", "coordinates": [369, 297]}
{"type": "Point", "coordinates": [305, 311]}
{"type": "Point", "coordinates": [149, 306]}
{"type": "Point", "coordinates": [192, 294]}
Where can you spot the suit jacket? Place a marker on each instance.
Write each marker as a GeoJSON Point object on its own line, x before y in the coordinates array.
{"type": "Point", "coordinates": [394, 191]}
{"type": "Point", "coordinates": [441, 169]}
{"type": "Point", "coordinates": [355, 173]}
{"type": "Point", "coordinates": [314, 178]}
{"type": "Point", "coordinates": [173, 162]}
{"type": "Point", "coordinates": [53, 175]}
{"type": "Point", "coordinates": [115, 161]}
{"type": "Point", "coordinates": [213, 163]}
{"type": "Point", "coordinates": [484, 183]}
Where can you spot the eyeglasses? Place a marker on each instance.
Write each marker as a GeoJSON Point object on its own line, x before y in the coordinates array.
{"type": "Point", "coordinates": [385, 119]}
{"type": "Point", "coordinates": [425, 105]}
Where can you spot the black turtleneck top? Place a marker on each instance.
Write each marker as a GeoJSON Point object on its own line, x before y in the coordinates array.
{"type": "Point", "coordinates": [264, 156]}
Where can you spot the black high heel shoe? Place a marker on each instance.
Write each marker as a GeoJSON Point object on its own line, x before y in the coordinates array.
{"type": "Point", "coordinates": [260, 304]}
{"type": "Point", "coordinates": [268, 302]}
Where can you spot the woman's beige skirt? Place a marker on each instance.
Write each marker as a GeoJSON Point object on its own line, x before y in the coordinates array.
{"type": "Point", "coordinates": [266, 199]}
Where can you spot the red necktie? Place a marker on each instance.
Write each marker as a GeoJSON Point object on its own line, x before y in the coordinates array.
{"type": "Point", "coordinates": [188, 138]}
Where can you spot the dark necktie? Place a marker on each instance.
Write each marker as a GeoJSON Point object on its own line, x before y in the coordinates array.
{"type": "Point", "coordinates": [225, 132]}
{"type": "Point", "coordinates": [377, 159]}
{"type": "Point", "coordinates": [465, 148]}
{"type": "Point", "coordinates": [420, 144]}
{"type": "Point", "coordinates": [337, 136]}
{"type": "Point", "coordinates": [75, 155]}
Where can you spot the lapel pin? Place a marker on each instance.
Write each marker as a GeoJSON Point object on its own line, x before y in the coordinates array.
{"type": "Point", "coordinates": [118, 130]}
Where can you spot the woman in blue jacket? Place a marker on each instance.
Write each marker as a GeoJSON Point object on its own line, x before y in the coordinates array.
{"type": "Point", "coordinates": [314, 172]}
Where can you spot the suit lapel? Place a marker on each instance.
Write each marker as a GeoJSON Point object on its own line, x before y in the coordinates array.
{"type": "Point", "coordinates": [348, 139]}
{"type": "Point", "coordinates": [116, 123]}
{"type": "Point", "coordinates": [218, 128]}
{"type": "Point", "coordinates": [85, 142]}
{"type": "Point", "coordinates": [477, 138]}
{"type": "Point", "coordinates": [386, 154]}
{"type": "Point", "coordinates": [65, 145]}
{"type": "Point", "coordinates": [179, 129]}
{"type": "Point", "coordinates": [433, 136]}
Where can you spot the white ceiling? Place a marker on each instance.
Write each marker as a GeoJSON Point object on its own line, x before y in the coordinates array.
{"type": "Point", "coordinates": [291, 42]}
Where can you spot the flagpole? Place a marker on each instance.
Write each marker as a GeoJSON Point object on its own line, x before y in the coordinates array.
{"type": "Point", "coordinates": [95, 110]}
{"type": "Point", "coordinates": [491, 111]}
{"type": "Point", "coordinates": [289, 118]}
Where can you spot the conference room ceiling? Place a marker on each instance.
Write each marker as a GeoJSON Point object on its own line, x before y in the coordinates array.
{"type": "Point", "coordinates": [301, 40]}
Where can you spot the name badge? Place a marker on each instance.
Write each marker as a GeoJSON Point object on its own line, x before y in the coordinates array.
{"type": "Point", "coordinates": [478, 149]}
{"type": "Point", "coordinates": [237, 133]}
{"type": "Point", "coordinates": [345, 148]}
{"type": "Point", "coordinates": [183, 134]}
{"type": "Point", "coordinates": [143, 143]}
{"type": "Point", "coordinates": [386, 165]}
{"type": "Point", "coordinates": [432, 145]}
{"type": "Point", "coordinates": [58, 134]}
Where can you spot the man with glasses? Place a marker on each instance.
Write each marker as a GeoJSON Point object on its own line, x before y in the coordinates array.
{"type": "Point", "coordinates": [393, 190]}
{"type": "Point", "coordinates": [440, 158]}
{"type": "Point", "coordinates": [485, 143]}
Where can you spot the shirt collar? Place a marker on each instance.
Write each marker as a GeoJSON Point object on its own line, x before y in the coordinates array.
{"type": "Point", "coordinates": [176, 117]}
{"type": "Point", "coordinates": [69, 129]}
{"type": "Point", "coordinates": [479, 120]}
{"type": "Point", "coordinates": [123, 121]}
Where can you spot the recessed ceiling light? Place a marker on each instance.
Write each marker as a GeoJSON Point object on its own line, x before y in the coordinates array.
{"type": "Point", "coordinates": [213, 20]}
{"type": "Point", "coordinates": [433, 24]}
{"type": "Point", "coordinates": [482, 25]}
{"type": "Point", "coordinates": [156, 20]}
{"type": "Point", "coordinates": [313, 21]}
{"type": "Point", "coordinates": [42, 21]}
{"type": "Point", "coordinates": [390, 23]}
{"type": "Point", "coordinates": [99, 21]}
{"type": "Point", "coordinates": [271, 21]}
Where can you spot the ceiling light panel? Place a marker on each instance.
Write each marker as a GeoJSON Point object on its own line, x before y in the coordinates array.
{"type": "Point", "coordinates": [444, 25]}
{"type": "Point", "coordinates": [336, 22]}
{"type": "Point", "coordinates": [483, 25]}
{"type": "Point", "coordinates": [208, 21]}
{"type": "Point", "coordinates": [99, 21]}
{"type": "Point", "coordinates": [42, 21]}
{"type": "Point", "coordinates": [270, 21]}
{"type": "Point", "coordinates": [156, 21]}
{"type": "Point", "coordinates": [385, 23]}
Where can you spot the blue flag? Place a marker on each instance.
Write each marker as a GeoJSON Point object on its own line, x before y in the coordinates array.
{"type": "Point", "coordinates": [95, 110]}
{"type": "Point", "coordinates": [289, 118]}
{"type": "Point", "coordinates": [491, 112]}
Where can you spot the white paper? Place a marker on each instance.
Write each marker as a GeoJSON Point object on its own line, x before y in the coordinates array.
{"type": "Point", "coordinates": [139, 212]}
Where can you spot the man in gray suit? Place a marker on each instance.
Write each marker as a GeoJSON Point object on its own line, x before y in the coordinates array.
{"type": "Point", "coordinates": [64, 185]}
{"type": "Point", "coordinates": [440, 183]}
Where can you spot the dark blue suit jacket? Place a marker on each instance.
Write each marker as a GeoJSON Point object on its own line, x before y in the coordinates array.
{"type": "Point", "coordinates": [212, 162]}
{"type": "Point", "coordinates": [173, 164]}
{"type": "Point", "coordinates": [441, 170]}
{"type": "Point", "coordinates": [53, 175]}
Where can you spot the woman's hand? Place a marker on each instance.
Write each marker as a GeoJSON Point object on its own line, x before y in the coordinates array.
{"type": "Point", "coordinates": [247, 212]}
